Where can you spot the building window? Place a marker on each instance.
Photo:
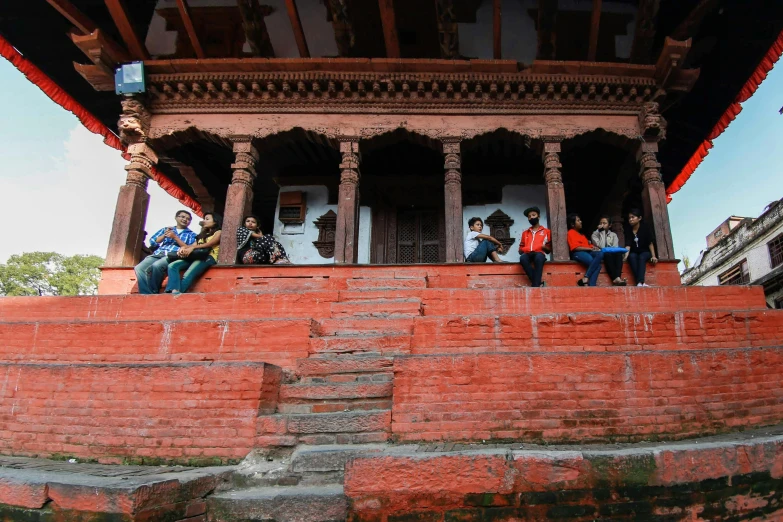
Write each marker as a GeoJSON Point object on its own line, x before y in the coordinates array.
{"type": "Point", "coordinates": [779, 303]}
{"type": "Point", "coordinates": [736, 275]}
{"type": "Point", "coordinates": [776, 251]}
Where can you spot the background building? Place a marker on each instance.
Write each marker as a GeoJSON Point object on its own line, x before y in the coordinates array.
{"type": "Point", "coordinates": [744, 251]}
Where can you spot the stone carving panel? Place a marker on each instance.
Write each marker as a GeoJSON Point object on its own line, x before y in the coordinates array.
{"type": "Point", "coordinates": [500, 227]}
{"type": "Point", "coordinates": [327, 225]}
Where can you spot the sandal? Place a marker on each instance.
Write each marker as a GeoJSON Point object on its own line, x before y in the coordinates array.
{"type": "Point", "coordinates": [620, 283]}
{"type": "Point", "coordinates": [581, 282]}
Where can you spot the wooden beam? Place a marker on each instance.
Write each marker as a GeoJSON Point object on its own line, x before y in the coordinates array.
{"type": "Point", "coordinates": [595, 22]}
{"type": "Point", "coordinates": [296, 25]}
{"type": "Point", "coordinates": [547, 38]}
{"type": "Point", "coordinates": [187, 21]}
{"type": "Point", "coordinates": [72, 13]}
{"type": "Point", "coordinates": [255, 27]}
{"type": "Point", "coordinates": [688, 26]}
{"type": "Point", "coordinates": [644, 34]}
{"type": "Point", "coordinates": [120, 16]}
{"type": "Point", "coordinates": [389, 23]}
{"type": "Point", "coordinates": [496, 38]}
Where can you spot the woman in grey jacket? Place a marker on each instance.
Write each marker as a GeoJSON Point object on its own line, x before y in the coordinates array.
{"type": "Point", "coordinates": [605, 238]}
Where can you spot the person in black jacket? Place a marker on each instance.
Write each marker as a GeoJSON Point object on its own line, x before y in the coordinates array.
{"type": "Point", "coordinates": [639, 246]}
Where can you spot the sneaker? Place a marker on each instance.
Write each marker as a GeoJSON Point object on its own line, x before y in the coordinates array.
{"type": "Point", "coordinates": [639, 284]}
{"type": "Point", "coordinates": [645, 284]}
{"type": "Point", "coordinates": [542, 285]}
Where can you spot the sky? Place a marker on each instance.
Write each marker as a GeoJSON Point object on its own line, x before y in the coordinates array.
{"type": "Point", "coordinates": [59, 182]}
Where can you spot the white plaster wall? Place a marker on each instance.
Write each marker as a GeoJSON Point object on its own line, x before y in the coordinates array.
{"type": "Point", "coordinates": [515, 199]}
{"type": "Point", "coordinates": [757, 254]}
{"type": "Point", "coordinates": [299, 247]}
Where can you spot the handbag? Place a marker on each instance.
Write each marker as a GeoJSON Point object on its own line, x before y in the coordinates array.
{"type": "Point", "coordinates": [198, 254]}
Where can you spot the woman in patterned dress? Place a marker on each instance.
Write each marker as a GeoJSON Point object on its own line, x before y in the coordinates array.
{"type": "Point", "coordinates": [254, 248]}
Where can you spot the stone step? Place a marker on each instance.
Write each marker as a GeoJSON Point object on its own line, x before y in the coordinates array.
{"type": "Point", "coordinates": [353, 344]}
{"type": "Point", "coordinates": [381, 376]}
{"type": "Point", "coordinates": [386, 283]}
{"type": "Point", "coordinates": [328, 366]}
{"type": "Point", "coordinates": [309, 424]}
{"type": "Point", "coordinates": [377, 308]}
{"type": "Point", "coordinates": [311, 391]}
{"type": "Point", "coordinates": [280, 504]}
{"type": "Point", "coordinates": [327, 458]}
{"type": "Point", "coordinates": [334, 406]}
{"type": "Point", "coordinates": [361, 325]}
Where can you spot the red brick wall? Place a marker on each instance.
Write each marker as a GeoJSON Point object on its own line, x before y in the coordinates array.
{"type": "Point", "coordinates": [585, 397]}
{"type": "Point", "coordinates": [174, 412]}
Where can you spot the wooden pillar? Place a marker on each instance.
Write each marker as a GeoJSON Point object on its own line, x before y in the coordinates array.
{"type": "Point", "coordinates": [239, 198]}
{"type": "Point", "coordinates": [130, 215]}
{"type": "Point", "coordinates": [346, 240]}
{"type": "Point", "coordinates": [654, 199]}
{"type": "Point", "coordinates": [555, 200]}
{"type": "Point", "coordinates": [453, 199]}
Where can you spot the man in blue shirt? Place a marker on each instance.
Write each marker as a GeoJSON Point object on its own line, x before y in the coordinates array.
{"type": "Point", "coordinates": [151, 271]}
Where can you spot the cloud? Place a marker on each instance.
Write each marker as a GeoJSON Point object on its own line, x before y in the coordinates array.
{"type": "Point", "coordinates": [69, 207]}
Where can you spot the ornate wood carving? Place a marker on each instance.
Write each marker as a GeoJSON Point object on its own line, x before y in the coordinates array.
{"type": "Point", "coordinates": [500, 227]}
{"type": "Point", "coordinates": [347, 229]}
{"type": "Point", "coordinates": [547, 18]}
{"type": "Point", "coordinates": [669, 71]}
{"type": "Point", "coordinates": [448, 29]}
{"type": "Point", "coordinates": [641, 49]}
{"type": "Point", "coordinates": [253, 23]}
{"type": "Point", "coordinates": [652, 124]}
{"type": "Point", "coordinates": [344, 35]}
{"type": "Point", "coordinates": [453, 200]}
{"type": "Point", "coordinates": [327, 225]}
{"type": "Point", "coordinates": [555, 199]}
{"type": "Point", "coordinates": [239, 198]}
{"type": "Point", "coordinates": [307, 92]}
{"type": "Point", "coordinates": [654, 199]}
{"type": "Point", "coordinates": [134, 123]}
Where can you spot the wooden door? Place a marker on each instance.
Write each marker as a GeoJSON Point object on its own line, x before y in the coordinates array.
{"type": "Point", "coordinates": [418, 237]}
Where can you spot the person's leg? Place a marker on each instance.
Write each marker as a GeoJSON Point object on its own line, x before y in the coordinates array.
{"type": "Point", "coordinates": [174, 269]}
{"type": "Point", "coordinates": [157, 273]}
{"type": "Point", "coordinates": [633, 260]}
{"type": "Point", "coordinates": [583, 257]}
{"type": "Point", "coordinates": [594, 268]}
{"type": "Point", "coordinates": [644, 257]}
{"type": "Point", "coordinates": [538, 270]}
{"type": "Point", "coordinates": [143, 274]}
{"type": "Point", "coordinates": [614, 266]}
{"type": "Point", "coordinates": [480, 254]}
{"type": "Point", "coordinates": [195, 269]}
{"type": "Point", "coordinates": [524, 260]}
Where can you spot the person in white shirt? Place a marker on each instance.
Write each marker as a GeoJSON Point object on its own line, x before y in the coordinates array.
{"type": "Point", "coordinates": [479, 246]}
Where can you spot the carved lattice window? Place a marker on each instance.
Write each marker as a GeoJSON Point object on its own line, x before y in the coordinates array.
{"type": "Point", "coordinates": [327, 225]}
{"type": "Point", "coordinates": [500, 228]}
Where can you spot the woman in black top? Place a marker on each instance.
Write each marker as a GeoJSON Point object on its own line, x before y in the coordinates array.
{"type": "Point", "coordinates": [639, 246]}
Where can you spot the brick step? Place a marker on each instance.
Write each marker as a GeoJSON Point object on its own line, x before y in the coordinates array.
{"type": "Point", "coordinates": [366, 325]}
{"type": "Point", "coordinates": [341, 365]}
{"type": "Point", "coordinates": [377, 308]}
{"type": "Point", "coordinates": [353, 344]}
{"type": "Point", "coordinates": [374, 294]}
{"type": "Point", "coordinates": [280, 504]}
{"type": "Point", "coordinates": [336, 406]}
{"type": "Point", "coordinates": [314, 391]}
{"type": "Point", "coordinates": [386, 283]}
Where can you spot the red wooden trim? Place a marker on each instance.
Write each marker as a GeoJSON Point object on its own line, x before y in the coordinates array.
{"type": "Point", "coordinates": [93, 124]}
{"type": "Point", "coordinates": [758, 76]}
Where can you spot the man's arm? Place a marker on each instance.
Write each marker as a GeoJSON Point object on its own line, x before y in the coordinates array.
{"type": "Point", "coordinates": [491, 239]}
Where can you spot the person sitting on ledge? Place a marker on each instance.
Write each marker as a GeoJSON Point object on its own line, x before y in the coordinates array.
{"type": "Point", "coordinates": [254, 248]}
{"type": "Point", "coordinates": [479, 246]}
{"type": "Point", "coordinates": [535, 244]}
{"type": "Point", "coordinates": [151, 271]}
{"type": "Point", "coordinates": [196, 259]}
{"type": "Point", "coordinates": [583, 252]}
{"type": "Point", "coordinates": [609, 244]}
{"type": "Point", "coordinates": [639, 246]}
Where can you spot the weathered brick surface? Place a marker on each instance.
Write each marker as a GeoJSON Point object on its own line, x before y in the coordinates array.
{"type": "Point", "coordinates": [721, 481]}
{"type": "Point", "coordinates": [597, 332]}
{"type": "Point", "coordinates": [343, 365]}
{"type": "Point", "coordinates": [324, 391]}
{"type": "Point", "coordinates": [173, 412]}
{"type": "Point", "coordinates": [586, 397]}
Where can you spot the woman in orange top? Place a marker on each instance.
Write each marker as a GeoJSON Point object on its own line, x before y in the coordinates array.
{"type": "Point", "coordinates": [583, 251]}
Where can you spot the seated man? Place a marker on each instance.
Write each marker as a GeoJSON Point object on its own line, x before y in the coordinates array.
{"type": "Point", "coordinates": [536, 242]}
{"type": "Point", "coordinates": [151, 271]}
{"type": "Point", "coordinates": [479, 246]}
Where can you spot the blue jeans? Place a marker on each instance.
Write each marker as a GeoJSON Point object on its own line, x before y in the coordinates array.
{"type": "Point", "coordinates": [150, 273]}
{"type": "Point", "coordinates": [592, 260]}
{"type": "Point", "coordinates": [482, 252]}
{"type": "Point", "coordinates": [193, 269]}
{"type": "Point", "coordinates": [534, 273]}
{"type": "Point", "coordinates": [638, 264]}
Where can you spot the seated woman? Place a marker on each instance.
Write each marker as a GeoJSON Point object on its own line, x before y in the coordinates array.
{"type": "Point", "coordinates": [639, 246]}
{"type": "Point", "coordinates": [582, 251]}
{"type": "Point", "coordinates": [254, 248]}
{"type": "Point", "coordinates": [604, 238]}
{"type": "Point", "coordinates": [197, 258]}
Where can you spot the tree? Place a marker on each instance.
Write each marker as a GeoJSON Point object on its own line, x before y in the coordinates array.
{"type": "Point", "coordinates": [50, 273]}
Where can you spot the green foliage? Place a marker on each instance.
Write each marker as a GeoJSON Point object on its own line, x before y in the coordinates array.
{"type": "Point", "coordinates": [50, 273]}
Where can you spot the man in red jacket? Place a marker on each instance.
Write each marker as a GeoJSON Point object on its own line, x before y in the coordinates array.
{"type": "Point", "coordinates": [535, 244]}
